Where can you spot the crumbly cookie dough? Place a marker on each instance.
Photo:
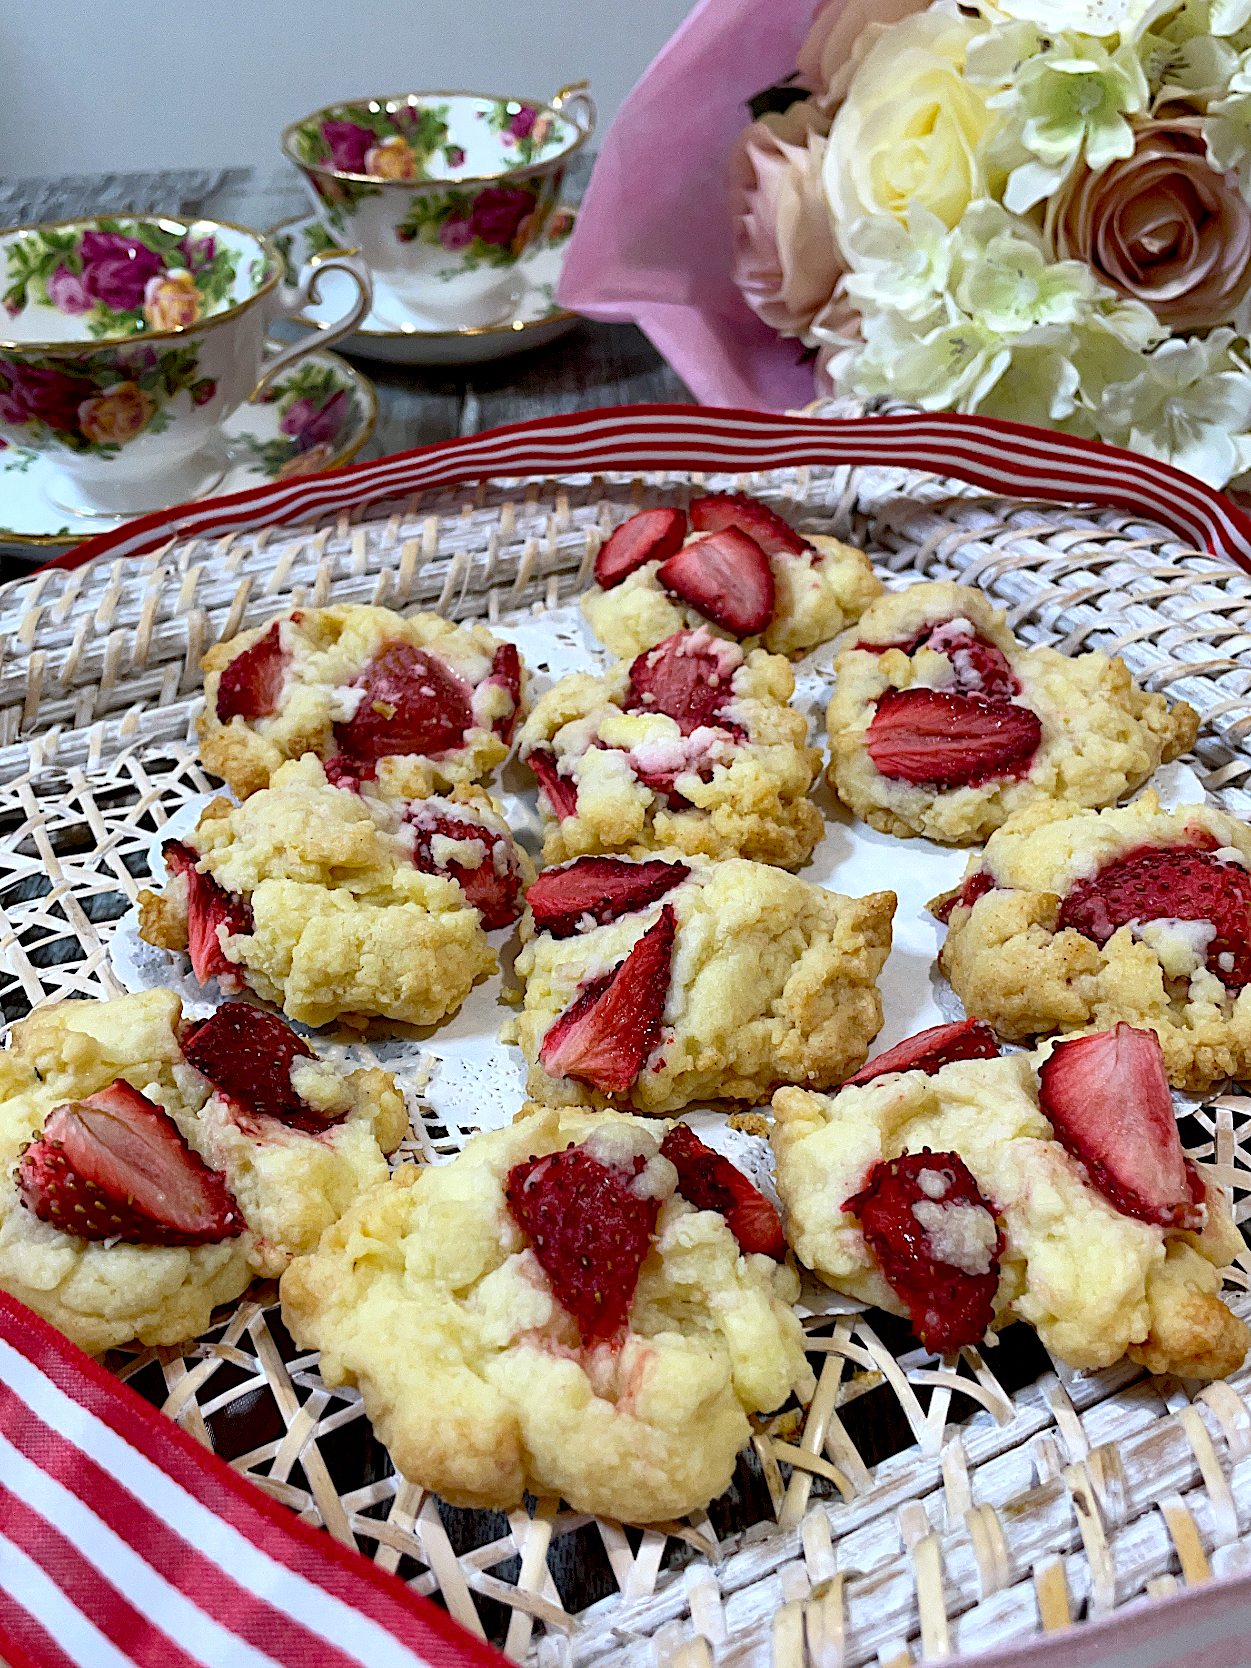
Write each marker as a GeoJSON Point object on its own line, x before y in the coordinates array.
{"type": "Point", "coordinates": [755, 803]}
{"type": "Point", "coordinates": [326, 649]}
{"type": "Point", "coordinates": [344, 927]}
{"type": "Point", "coordinates": [1010, 966]}
{"type": "Point", "coordinates": [428, 1299]}
{"type": "Point", "coordinates": [1101, 735]}
{"type": "Point", "coordinates": [816, 599]}
{"type": "Point", "coordinates": [1094, 1284]}
{"type": "Point", "coordinates": [773, 980]}
{"type": "Point", "coordinates": [289, 1186]}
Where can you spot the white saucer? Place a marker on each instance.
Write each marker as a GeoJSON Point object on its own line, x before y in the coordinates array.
{"type": "Point", "coordinates": [257, 451]}
{"type": "Point", "coordinates": [392, 332]}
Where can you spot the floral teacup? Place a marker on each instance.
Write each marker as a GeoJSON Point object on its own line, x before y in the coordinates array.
{"type": "Point", "coordinates": [125, 344]}
{"type": "Point", "coordinates": [441, 192]}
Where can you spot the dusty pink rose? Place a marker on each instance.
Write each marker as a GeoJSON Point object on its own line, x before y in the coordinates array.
{"type": "Point", "coordinates": [171, 301]}
{"type": "Point", "coordinates": [309, 424]}
{"type": "Point", "coordinates": [391, 159]}
{"type": "Point", "coordinates": [456, 232]}
{"type": "Point", "coordinates": [67, 292]}
{"type": "Point", "coordinates": [114, 418]}
{"type": "Point", "coordinates": [786, 262]}
{"type": "Point", "coordinates": [828, 56]}
{"type": "Point", "coordinates": [1162, 226]}
{"type": "Point", "coordinates": [116, 269]}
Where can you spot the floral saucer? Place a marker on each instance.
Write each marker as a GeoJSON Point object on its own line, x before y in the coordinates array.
{"type": "Point", "coordinates": [316, 418]}
{"type": "Point", "coordinates": [394, 333]}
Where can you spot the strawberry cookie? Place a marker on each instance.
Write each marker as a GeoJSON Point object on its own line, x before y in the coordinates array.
{"type": "Point", "coordinates": [561, 1310]}
{"type": "Point", "coordinates": [655, 984]}
{"type": "Point", "coordinates": [338, 904]}
{"type": "Point", "coordinates": [690, 747]}
{"type": "Point", "coordinates": [413, 702]}
{"type": "Point", "coordinates": [149, 1167]}
{"type": "Point", "coordinates": [943, 725]}
{"type": "Point", "coordinates": [1049, 1188]}
{"type": "Point", "coordinates": [735, 566]}
{"type": "Point", "coordinates": [1075, 918]}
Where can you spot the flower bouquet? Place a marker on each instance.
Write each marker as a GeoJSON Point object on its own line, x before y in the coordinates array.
{"type": "Point", "coordinates": [1036, 209]}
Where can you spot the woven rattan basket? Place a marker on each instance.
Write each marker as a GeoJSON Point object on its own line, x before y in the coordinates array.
{"type": "Point", "coordinates": [916, 1510]}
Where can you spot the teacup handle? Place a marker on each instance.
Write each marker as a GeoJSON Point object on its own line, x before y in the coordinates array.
{"type": "Point", "coordinates": [307, 292]}
{"type": "Point", "coordinates": [574, 100]}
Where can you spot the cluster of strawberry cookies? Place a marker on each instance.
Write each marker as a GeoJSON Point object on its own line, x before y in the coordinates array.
{"type": "Point", "coordinates": [651, 985]}
{"type": "Point", "coordinates": [734, 565]}
{"type": "Point", "coordinates": [967, 1191]}
{"type": "Point", "coordinates": [942, 725]}
{"type": "Point", "coordinates": [573, 1307]}
{"type": "Point", "coordinates": [149, 1167]}
{"type": "Point", "coordinates": [690, 747]}
{"type": "Point", "coordinates": [337, 903]}
{"type": "Point", "coordinates": [1074, 918]}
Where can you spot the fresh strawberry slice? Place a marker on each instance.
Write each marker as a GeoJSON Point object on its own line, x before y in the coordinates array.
{"type": "Point", "coordinates": [115, 1166]}
{"type": "Point", "coordinates": [589, 1230]}
{"type": "Point", "coordinates": [604, 888]}
{"type": "Point", "coordinates": [1177, 882]}
{"type": "Point", "coordinates": [710, 1182]}
{"type": "Point", "coordinates": [560, 791]}
{"type": "Point", "coordinates": [650, 536]}
{"type": "Point", "coordinates": [506, 672]}
{"type": "Point", "coordinates": [251, 684]}
{"type": "Point", "coordinates": [948, 740]}
{"type": "Point", "coordinates": [209, 906]}
{"type": "Point", "coordinates": [719, 510]}
{"type": "Point", "coordinates": [929, 1051]}
{"type": "Point", "coordinates": [609, 1029]}
{"type": "Point", "coordinates": [934, 1233]}
{"type": "Point", "coordinates": [727, 577]}
{"type": "Point", "coordinates": [689, 677]}
{"type": "Point", "coordinates": [248, 1055]}
{"type": "Point", "coordinates": [493, 887]}
{"type": "Point", "coordinates": [1108, 1100]}
{"type": "Point", "coordinates": [413, 703]}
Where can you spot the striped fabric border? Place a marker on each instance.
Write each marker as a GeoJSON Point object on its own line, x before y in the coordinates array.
{"type": "Point", "coordinates": [1005, 458]}
{"type": "Point", "coordinates": [94, 1573]}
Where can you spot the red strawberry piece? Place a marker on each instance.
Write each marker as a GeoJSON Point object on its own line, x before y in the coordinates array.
{"type": "Point", "coordinates": [493, 891]}
{"type": "Point", "coordinates": [650, 536]}
{"type": "Point", "coordinates": [413, 703]}
{"type": "Point", "coordinates": [948, 740]}
{"type": "Point", "coordinates": [1108, 1100]}
{"type": "Point", "coordinates": [710, 1182]}
{"type": "Point", "coordinates": [589, 1231]}
{"type": "Point", "coordinates": [975, 887]}
{"type": "Point", "coordinates": [609, 1029]}
{"type": "Point", "coordinates": [248, 1055]}
{"type": "Point", "coordinates": [719, 510]}
{"type": "Point", "coordinates": [929, 1051]}
{"type": "Point", "coordinates": [1159, 882]}
{"type": "Point", "coordinates": [605, 888]}
{"type": "Point", "coordinates": [250, 685]}
{"type": "Point", "coordinates": [115, 1166]}
{"type": "Point", "coordinates": [209, 906]}
{"type": "Point", "coordinates": [916, 1214]}
{"type": "Point", "coordinates": [727, 577]}
{"type": "Point", "coordinates": [688, 676]}
{"type": "Point", "coordinates": [561, 791]}
{"type": "Point", "coordinates": [981, 668]}
{"type": "Point", "coordinates": [506, 671]}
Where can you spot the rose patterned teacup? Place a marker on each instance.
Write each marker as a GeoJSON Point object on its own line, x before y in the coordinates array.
{"type": "Point", "coordinates": [441, 192]}
{"type": "Point", "coordinates": [125, 344]}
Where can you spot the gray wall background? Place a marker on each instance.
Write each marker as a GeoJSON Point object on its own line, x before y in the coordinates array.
{"type": "Point", "coordinates": [90, 86]}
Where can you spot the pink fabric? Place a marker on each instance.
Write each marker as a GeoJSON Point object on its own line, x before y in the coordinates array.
{"type": "Point", "coordinates": [653, 240]}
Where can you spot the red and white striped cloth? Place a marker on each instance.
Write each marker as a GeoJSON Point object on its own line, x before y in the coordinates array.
{"type": "Point", "coordinates": [125, 1544]}
{"type": "Point", "coordinates": [1004, 458]}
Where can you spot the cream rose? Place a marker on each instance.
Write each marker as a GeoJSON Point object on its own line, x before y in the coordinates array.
{"type": "Point", "coordinates": [391, 159]}
{"type": "Point", "coordinates": [786, 262]}
{"type": "Point", "coordinates": [1162, 226]}
{"type": "Point", "coordinates": [114, 418]}
{"type": "Point", "coordinates": [171, 301]}
{"type": "Point", "coordinates": [910, 129]}
{"type": "Point", "coordinates": [842, 32]}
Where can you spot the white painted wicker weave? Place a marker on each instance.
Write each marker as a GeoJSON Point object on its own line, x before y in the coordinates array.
{"type": "Point", "coordinates": [916, 1509]}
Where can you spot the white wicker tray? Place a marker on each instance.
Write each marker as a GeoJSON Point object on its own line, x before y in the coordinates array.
{"type": "Point", "coordinates": [916, 1511]}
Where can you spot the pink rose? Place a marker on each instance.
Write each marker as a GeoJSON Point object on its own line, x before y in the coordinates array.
{"type": "Point", "coordinates": [786, 261]}
{"type": "Point", "coordinates": [116, 269]}
{"type": "Point", "coordinates": [522, 122]}
{"type": "Point", "coordinates": [67, 292]}
{"type": "Point", "coordinates": [498, 211]}
{"type": "Point", "coordinates": [1163, 227]}
{"type": "Point", "coordinates": [456, 232]}
{"type": "Point", "coordinates": [828, 56]}
{"type": "Point", "coordinates": [114, 418]}
{"type": "Point", "coordinates": [29, 393]}
{"type": "Point", "coordinates": [171, 301]}
{"type": "Point", "coordinates": [348, 142]}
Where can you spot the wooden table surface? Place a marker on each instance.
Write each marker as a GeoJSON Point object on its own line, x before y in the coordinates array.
{"type": "Point", "coordinates": [594, 365]}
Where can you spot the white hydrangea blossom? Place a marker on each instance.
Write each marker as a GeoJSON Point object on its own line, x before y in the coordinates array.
{"type": "Point", "coordinates": [1189, 404]}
